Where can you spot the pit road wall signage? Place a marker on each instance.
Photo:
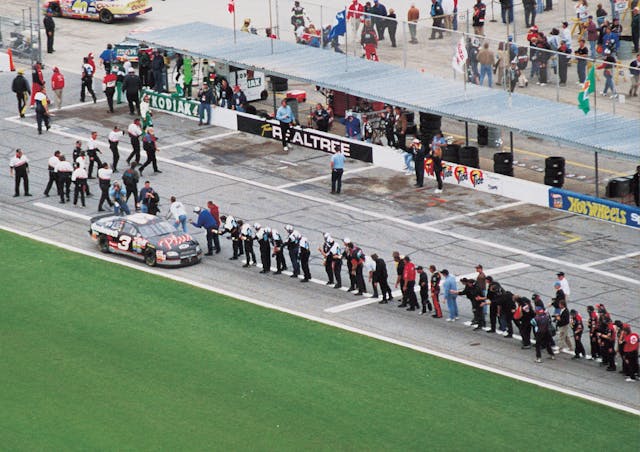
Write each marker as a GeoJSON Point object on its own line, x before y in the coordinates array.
{"type": "Point", "coordinates": [589, 206]}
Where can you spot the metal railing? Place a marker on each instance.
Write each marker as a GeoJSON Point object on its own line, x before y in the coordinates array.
{"type": "Point", "coordinates": [22, 36]}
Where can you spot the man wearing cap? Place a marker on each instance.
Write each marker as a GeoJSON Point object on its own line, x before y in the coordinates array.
{"type": "Point", "coordinates": [206, 221]}
{"type": "Point", "coordinates": [352, 128]}
{"type": "Point", "coordinates": [107, 58]}
{"type": "Point", "coordinates": [57, 85]}
{"type": "Point", "coordinates": [263, 235]}
{"type": "Point", "coordinates": [337, 169]}
{"type": "Point", "coordinates": [419, 153]}
{"type": "Point", "coordinates": [132, 85]}
{"type": "Point", "coordinates": [293, 244]}
{"type": "Point", "coordinates": [357, 257]}
{"type": "Point", "coordinates": [20, 86]}
{"type": "Point", "coordinates": [381, 276]}
{"type": "Point", "coordinates": [423, 282]}
{"type": "Point", "coordinates": [435, 291]}
{"type": "Point", "coordinates": [239, 99]}
{"type": "Point", "coordinates": [50, 29]}
{"type": "Point", "coordinates": [630, 353]}
{"type": "Point", "coordinates": [87, 80]}
{"type": "Point", "coordinates": [472, 292]}
{"type": "Point", "coordinates": [409, 277]}
{"type": "Point", "coordinates": [42, 109]}
{"type": "Point", "coordinates": [325, 250]}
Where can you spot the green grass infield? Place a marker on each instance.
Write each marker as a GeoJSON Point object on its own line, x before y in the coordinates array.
{"type": "Point", "coordinates": [99, 356]}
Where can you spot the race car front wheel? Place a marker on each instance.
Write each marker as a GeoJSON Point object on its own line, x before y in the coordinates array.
{"type": "Point", "coordinates": [106, 17]}
{"type": "Point", "coordinates": [150, 257]}
{"type": "Point", "coordinates": [103, 243]}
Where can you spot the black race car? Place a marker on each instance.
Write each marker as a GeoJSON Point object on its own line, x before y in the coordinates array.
{"type": "Point", "coordinates": [145, 237]}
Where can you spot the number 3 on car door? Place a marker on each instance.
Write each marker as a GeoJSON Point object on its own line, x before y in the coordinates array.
{"type": "Point", "coordinates": [123, 242]}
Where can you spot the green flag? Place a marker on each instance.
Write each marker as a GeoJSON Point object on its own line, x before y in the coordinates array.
{"type": "Point", "coordinates": [588, 87]}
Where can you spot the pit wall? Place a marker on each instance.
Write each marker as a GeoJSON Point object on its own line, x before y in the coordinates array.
{"type": "Point", "coordinates": [390, 158]}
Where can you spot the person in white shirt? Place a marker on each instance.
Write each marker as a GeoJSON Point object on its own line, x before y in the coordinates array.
{"type": "Point", "coordinates": [63, 176]}
{"type": "Point", "coordinates": [179, 214]}
{"type": "Point", "coordinates": [79, 177]}
{"type": "Point", "coordinates": [564, 284]}
{"type": "Point", "coordinates": [83, 162]}
{"type": "Point", "coordinates": [135, 132]}
{"type": "Point", "coordinates": [19, 164]}
{"type": "Point", "coordinates": [104, 181]}
{"type": "Point", "coordinates": [92, 153]}
{"type": "Point", "coordinates": [370, 268]}
{"type": "Point", "coordinates": [51, 164]}
{"type": "Point", "coordinates": [114, 139]}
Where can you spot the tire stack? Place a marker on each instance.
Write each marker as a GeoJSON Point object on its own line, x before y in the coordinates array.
{"type": "Point", "coordinates": [554, 171]}
{"type": "Point", "coordinates": [429, 126]}
{"type": "Point", "coordinates": [503, 163]}
{"type": "Point", "coordinates": [619, 187]}
{"type": "Point", "coordinates": [469, 156]}
{"type": "Point", "coordinates": [483, 135]}
{"type": "Point", "coordinates": [451, 153]}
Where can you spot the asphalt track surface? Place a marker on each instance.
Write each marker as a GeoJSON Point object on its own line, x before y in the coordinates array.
{"type": "Point", "coordinates": [522, 245]}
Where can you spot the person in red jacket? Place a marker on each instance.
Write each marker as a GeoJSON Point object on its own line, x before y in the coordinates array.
{"type": "Point", "coordinates": [37, 82]}
{"type": "Point", "coordinates": [57, 85]}
{"type": "Point", "coordinates": [91, 62]}
{"type": "Point", "coordinates": [630, 352]}
{"type": "Point", "coordinates": [215, 213]}
{"type": "Point", "coordinates": [409, 277]}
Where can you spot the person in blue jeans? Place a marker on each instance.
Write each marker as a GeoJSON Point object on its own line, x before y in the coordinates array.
{"type": "Point", "coordinates": [205, 95]}
{"type": "Point", "coordinates": [179, 214]}
{"type": "Point", "coordinates": [286, 118]}
{"type": "Point", "coordinates": [118, 196]}
{"type": "Point", "coordinates": [352, 128]}
{"type": "Point", "coordinates": [450, 289]}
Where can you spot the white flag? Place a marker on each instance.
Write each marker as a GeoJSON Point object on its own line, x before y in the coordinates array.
{"type": "Point", "coordinates": [460, 57]}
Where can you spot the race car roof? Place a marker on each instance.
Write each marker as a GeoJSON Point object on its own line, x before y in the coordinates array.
{"type": "Point", "coordinates": [605, 133]}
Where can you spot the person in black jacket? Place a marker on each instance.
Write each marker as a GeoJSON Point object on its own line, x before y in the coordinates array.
{"type": "Point", "coordinates": [524, 323]}
{"type": "Point", "coordinates": [635, 186]}
{"type": "Point", "coordinates": [132, 86]}
{"type": "Point", "coordinates": [473, 293]}
{"type": "Point", "coordinates": [563, 321]}
{"type": "Point", "coordinates": [419, 154]}
{"type": "Point", "coordinates": [49, 28]}
{"type": "Point", "coordinates": [493, 298]}
{"type": "Point", "coordinates": [206, 98]}
{"type": "Point", "coordinates": [381, 276]}
{"type": "Point", "coordinates": [423, 281]}
{"type": "Point", "coordinates": [157, 68]}
{"type": "Point", "coordinates": [20, 86]}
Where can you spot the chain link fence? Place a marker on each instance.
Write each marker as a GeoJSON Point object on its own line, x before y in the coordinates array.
{"type": "Point", "coordinates": [21, 34]}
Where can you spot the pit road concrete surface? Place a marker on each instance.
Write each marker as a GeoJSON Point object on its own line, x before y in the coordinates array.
{"type": "Point", "coordinates": [379, 209]}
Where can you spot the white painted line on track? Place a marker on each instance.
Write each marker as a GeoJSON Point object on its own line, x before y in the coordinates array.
{"type": "Point", "coordinates": [325, 176]}
{"type": "Point", "coordinates": [62, 211]}
{"type": "Point", "coordinates": [288, 163]}
{"type": "Point", "coordinates": [613, 259]}
{"type": "Point", "coordinates": [473, 214]}
{"type": "Point", "coordinates": [200, 140]}
{"type": "Point", "coordinates": [32, 113]}
{"type": "Point", "coordinates": [343, 206]}
{"type": "Point", "coordinates": [352, 305]}
{"type": "Point", "coordinates": [418, 348]}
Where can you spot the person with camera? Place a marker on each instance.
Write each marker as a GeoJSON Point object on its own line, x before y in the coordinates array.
{"type": "Point", "coordinates": [149, 199]}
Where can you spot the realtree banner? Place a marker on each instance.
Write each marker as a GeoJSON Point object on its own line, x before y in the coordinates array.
{"type": "Point", "coordinates": [307, 138]}
{"type": "Point", "coordinates": [171, 104]}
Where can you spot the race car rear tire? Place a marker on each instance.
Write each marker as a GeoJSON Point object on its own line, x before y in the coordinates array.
{"type": "Point", "coordinates": [106, 17]}
{"type": "Point", "coordinates": [150, 257]}
{"type": "Point", "coordinates": [103, 243]}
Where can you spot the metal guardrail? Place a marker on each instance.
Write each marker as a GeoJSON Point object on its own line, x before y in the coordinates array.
{"type": "Point", "coordinates": [22, 36]}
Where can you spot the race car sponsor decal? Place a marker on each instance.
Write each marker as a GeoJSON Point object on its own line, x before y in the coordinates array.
{"type": "Point", "coordinates": [174, 240]}
{"type": "Point", "coordinates": [96, 228]}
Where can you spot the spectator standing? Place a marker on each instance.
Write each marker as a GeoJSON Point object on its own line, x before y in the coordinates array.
{"type": "Point", "coordinates": [413, 15]}
{"type": "Point", "coordinates": [634, 70]}
{"type": "Point", "coordinates": [635, 186]}
{"type": "Point", "coordinates": [239, 99]}
{"type": "Point", "coordinates": [635, 28]}
{"type": "Point", "coordinates": [337, 169]}
{"type": "Point", "coordinates": [479, 11]}
{"type": "Point", "coordinates": [529, 12]}
{"type": "Point", "coordinates": [450, 294]}
{"type": "Point", "coordinates": [400, 128]}
{"type": "Point", "coordinates": [57, 85]}
{"type": "Point", "coordinates": [20, 86]}
{"type": "Point", "coordinates": [563, 322]}
{"type": "Point", "coordinates": [320, 117]}
{"type": "Point", "coordinates": [487, 59]}
{"type": "Point", "coordinates": [378, 16]}
{"type": "Point", "coordinates": [144, 66]}
{"type": "Point", "coordinates": [592, 36]}
{"type": "Point", "coordinates": [392, 25]}
{"type": "Point", "coordinates": [419, 154]}
{"type": "Point", "coordinates": [206, 97]}
{"type": "Point", "coordinates": [582, 53]}
{"type": "Point", "coordinates": [564, 53]}
{"type": "Point", "coordinates": [436, 158]}
{"type": "Point", "coordinates": [437, 14]}
{"type": "Point", "coordinates": [354, 16]}
{"type": "Point", "coordinates": [19, 169]}
{"type": "Point", "coordinates": [506, 10]}
{"type": "Point", "coordinates": [157, 68]}
{"type": "Point", "coordinates": [50, 30]}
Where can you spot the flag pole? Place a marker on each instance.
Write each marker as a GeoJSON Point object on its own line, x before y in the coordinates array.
{"type": "Point", "coordinates": [346, 41]}
{"type": "Point", "coordinates": [234, 23]}
{"type": "Point", "coordinates": [595, 94]}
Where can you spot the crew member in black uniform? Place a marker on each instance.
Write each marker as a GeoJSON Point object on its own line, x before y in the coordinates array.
{"type": "Point", "coordinates": [423, 281]}
{"type": "Point", "coordinates": [399, 279]}
{"type": "Point", "coordinates": [356, 255]}
{"type": "Point", "coordinates": [381, 276]}
{"type": "Point", "coordinates": [305, 252]}
{"type": "Point", "coordinates": [325, 250]}
{"type": "Point", "coordinates": [278, 251]}
{"type": "Point", "coordinates": [419, 154]}
{"type": "Point", "coordinates": [346, 253]}
{"type": "Point", "coordinates": [264, 235]}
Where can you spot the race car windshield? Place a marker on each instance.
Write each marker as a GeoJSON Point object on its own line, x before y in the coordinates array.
{"type": "Point", "coordinates": [156, 229]}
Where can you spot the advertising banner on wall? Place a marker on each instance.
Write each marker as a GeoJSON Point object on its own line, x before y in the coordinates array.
{"type": "Point", "coordinates": [172, 104]}
{"type": "Point", "coordinates": [308, 138]}
{"type": "Point", "coordinates": [589, 206]}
